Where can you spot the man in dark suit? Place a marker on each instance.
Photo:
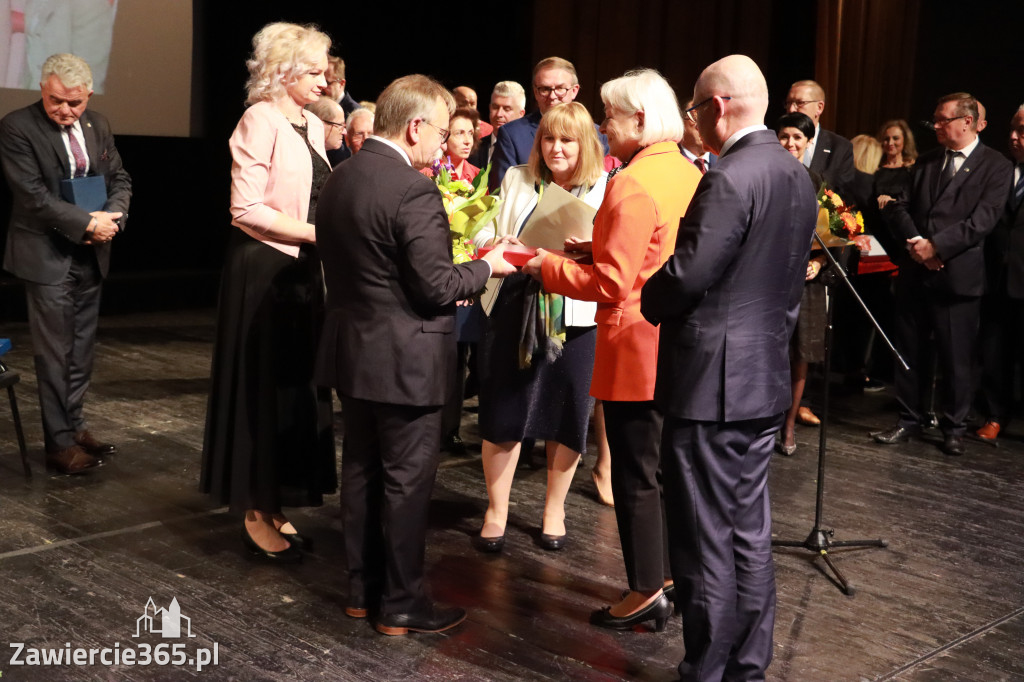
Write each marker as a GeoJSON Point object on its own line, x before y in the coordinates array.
{"type": "Point", "coordinates": [508, 103]}
{"type": "Point", "coordinates": [727, 301]}
{"type": "Point", "coordinates": [388, 346]}
{"type": "Point", "coordinates": [61, 251]}
{"type": "Point", "coordinates": [692, 147]}
{"type": "Point", "coordinates": [1002, 308]}
{"type": "Point", "coordinates": [554, 82]}
{"type": "Point", "coordinates": [958, 192]}
{"type": "Point", "coordinates": [828, 154]}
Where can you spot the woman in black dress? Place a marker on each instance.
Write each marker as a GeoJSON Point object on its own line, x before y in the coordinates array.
{"type": "Point", "coordinates": [548, 397]}
{"type": "Point", "coordinates": [808, 342]}
{"type": "Point", "coordinates": [269, 441]}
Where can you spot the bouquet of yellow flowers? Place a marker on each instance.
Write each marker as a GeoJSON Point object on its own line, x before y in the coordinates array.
{"type": "Point", "coordinates": [468, 206]}
{"type": "Point", "coordinates": [844, 221]}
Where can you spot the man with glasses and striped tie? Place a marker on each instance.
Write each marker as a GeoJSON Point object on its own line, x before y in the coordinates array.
{"type": "Point", "coordinates": [958, 192]}
{"type": "Point", "coordinates": [58, 244]}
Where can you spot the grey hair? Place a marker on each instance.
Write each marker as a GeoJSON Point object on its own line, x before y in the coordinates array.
{"type": "Point", "coordinates": [356, 113]}
{"type": "Point", "coordinates": [513, 90]}
{"type": "Point", "coordinates": [72, 70]}
{"type": "Point", "coordinates": [646, 90]}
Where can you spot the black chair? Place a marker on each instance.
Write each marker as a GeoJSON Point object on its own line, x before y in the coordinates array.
{"type": "Point", "coordinates": [8, 378]}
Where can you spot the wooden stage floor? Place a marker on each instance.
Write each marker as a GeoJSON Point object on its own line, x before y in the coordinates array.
{"type": "Point", "coordinates": [81, 556]}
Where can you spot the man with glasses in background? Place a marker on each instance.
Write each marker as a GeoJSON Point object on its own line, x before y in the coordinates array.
{"type": "Point", "coordinates": [828, 154]}
{"type": "Point", "coordinates": [957, 195]}
{"type": "Point", "coordinates": [554, 83]}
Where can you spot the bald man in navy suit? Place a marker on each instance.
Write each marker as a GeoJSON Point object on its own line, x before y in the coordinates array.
{"type": "Point", "coordinates": [727, 302]}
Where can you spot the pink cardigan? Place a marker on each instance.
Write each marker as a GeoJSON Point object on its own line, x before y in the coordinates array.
{"type": "Point", "coordinates": [271, 172]}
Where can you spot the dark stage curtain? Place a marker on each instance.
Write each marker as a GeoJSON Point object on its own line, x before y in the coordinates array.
{"type": "Point", "coordinates": [865, 54]}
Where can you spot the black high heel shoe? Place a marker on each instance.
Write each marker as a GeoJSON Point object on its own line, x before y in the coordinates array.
{"type": "Point", "coordinates": [552, 543]}
{"type": "Point", "coordinates": [658, 610]}
{"type": "Point", "coordinates": [299, 540]}
{"type": "Point", "coordinates": [488, 545]}
{"type": "Point", "coordinates": [292, 555]}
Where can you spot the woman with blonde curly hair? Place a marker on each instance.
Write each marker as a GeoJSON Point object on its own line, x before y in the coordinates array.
{"type": "Point", "coordinates": [269, 441]}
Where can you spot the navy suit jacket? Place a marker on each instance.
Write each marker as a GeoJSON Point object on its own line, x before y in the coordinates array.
{"type": "Point", "coordinates": [727, 299]}
{"type": "Point", "coordinates": [382, 235]}
{"type": "Point", "coordinates": [833, 160]}
{"type": "Point", "coordinates": [1004, 251]}
{"type": "Point", "coordinates": [514, 143]}
{"type": "Point", "coordinates": [957, 220]}
{"type": "Point", "coordinates": [45, 230]}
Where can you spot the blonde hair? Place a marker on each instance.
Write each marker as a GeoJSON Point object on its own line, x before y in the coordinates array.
{"type": "Point", "coordinates": [71, 70]}
{"type": "Point", "coordinates": [573, 121]}
{"type": "Point", "coordinates": [281, 52]}
{"type": "Point", "coordinates": [867, 153]}
{"type": "Point", "coordinates": [407, 98]}
{"type": "Point", "coordinates": [646, 90]}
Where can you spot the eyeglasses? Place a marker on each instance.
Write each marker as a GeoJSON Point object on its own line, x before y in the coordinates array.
{"type": "Point", "coordinates": [334, 125]}
{"type": "Point", "coordinates": [358, 136]}
{"type": "Point", "coordinates": [545, 91]}
{"type": "Point", "coordinates": [938, 122]}
{"type": "Point", "coordinates": [691, 113]}
{"type": "Point", "coordinates": [444, 131]}
{"type": "Point", "coordinates": [801, 103]}
{"type": "Point", "coordinates": [462, 133]}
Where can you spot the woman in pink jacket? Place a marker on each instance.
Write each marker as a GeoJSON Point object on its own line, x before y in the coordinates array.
{"type": "Point", "coordinates": [269, 441]}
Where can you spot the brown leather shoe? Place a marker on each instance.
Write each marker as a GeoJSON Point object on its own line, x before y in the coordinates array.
{"type": "Point", "coordinates": [806, 417]}
{"type": "Point", "coordinates": [989, 431]}
{"type": "Point", "coordinates": [72, 460]}
{"type": "Point", "coordinates": [95, 448]}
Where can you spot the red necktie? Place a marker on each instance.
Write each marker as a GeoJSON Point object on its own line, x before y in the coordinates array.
{"type": "Point", "coordinates": [701, 165]}
{"type": "Point", "coordinates": [76, 150]}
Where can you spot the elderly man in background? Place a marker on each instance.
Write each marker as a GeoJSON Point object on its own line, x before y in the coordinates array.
{"type": "Point", "coordinates": [61, 250]}
{"type": "Point", "coordinates": [508, 102]}
{"type": "Point", "coordinates": [692, 147]}
{"type": "Point", "coordinates": [329, 111]}
{"type": "Point", "coordinates": [828, 154]}
{"type": "Point", "coordinates": [727, 301]}
{"type": "Point", "coordinates": [388, 347]}
{"type": "Point", "coordinates": [358, 128]}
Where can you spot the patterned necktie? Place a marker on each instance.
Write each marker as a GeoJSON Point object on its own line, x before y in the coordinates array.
{"type": "Point", "coordinates": [76, 150]}
{"type": "Point", "coordinates": [949, 171]}
{"type": "Point", "coordinates": [701, 165]}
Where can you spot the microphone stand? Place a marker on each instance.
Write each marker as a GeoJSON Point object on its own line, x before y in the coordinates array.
{"type": "Point", "coordinates": [820, 539]}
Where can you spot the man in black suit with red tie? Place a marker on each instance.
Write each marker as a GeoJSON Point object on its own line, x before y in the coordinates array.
{"type": "Point", "coordinates": [727, 302]}
{"type": "Point", "coordinates": [958, 192]}
{"type": "Point", "coordinates": [1002, 308]}
{"type": "Point", "coordinates": [388, 346]}
{"type": "Point", "coordinates": [692, 147]}
{"type": "Point", "coordinates": [61, 251]}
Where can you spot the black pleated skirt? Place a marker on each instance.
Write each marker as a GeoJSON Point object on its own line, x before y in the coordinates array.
{"type": "Point", "coordinates": [548, 401]}
{"type": "Point", "coordinates": [269, 440]}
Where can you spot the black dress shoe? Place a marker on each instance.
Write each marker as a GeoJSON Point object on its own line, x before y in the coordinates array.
{"type": "Point", "coordinates": [897, 434]}
{"type": "Point", "coordinates": [87, 442]}
{"type": "Point", "coordinates": [453, 445]}
{"type": "Point", "coordinates": [552, 542]}
{"type": "Point", "coordinates": [658, 610]}
{"type": "Point", "coordinates": [432, 619]}
{"type": "Point", "coordinates": [292, 555]}
{"type": "Point", "coordinates": [489, 545]}
{"type": "Point", "coordinates": [953, 445]}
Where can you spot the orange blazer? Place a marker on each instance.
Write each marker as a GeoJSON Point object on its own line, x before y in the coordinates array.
{"type": "Point", "coordinates": [634, 233]}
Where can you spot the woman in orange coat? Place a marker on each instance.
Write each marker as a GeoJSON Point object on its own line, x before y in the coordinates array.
{"type": "Point", "coordinates": [634, 233]}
